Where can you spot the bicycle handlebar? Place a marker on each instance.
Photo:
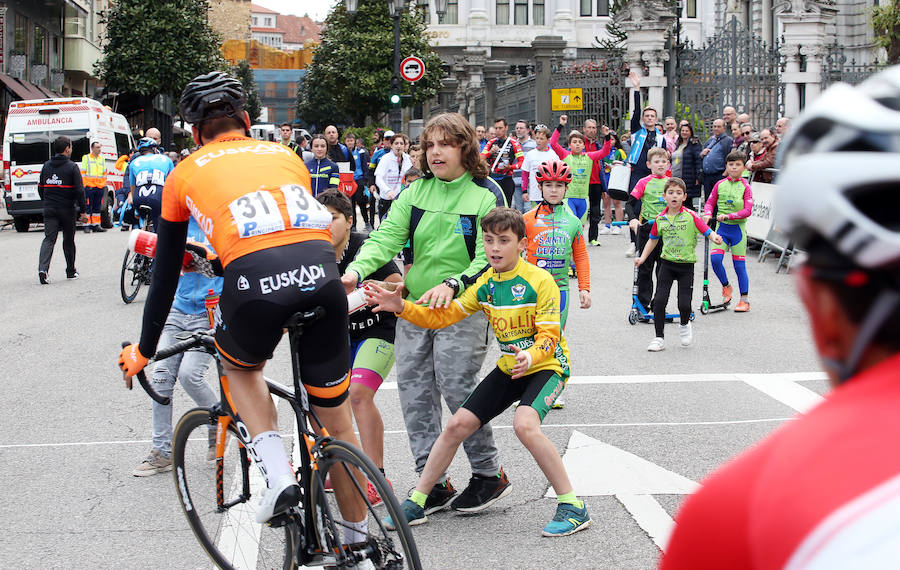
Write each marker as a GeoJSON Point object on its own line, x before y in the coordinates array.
{"type": "Point", "coordinates": [142, 378]}
{"type": "Point", "coordinates": [181, 346]}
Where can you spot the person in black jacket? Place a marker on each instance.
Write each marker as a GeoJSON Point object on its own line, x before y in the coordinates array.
{"type": "Point", "coordinates": [60, 188]}
{"type": "Point", "coordinates": [686, 162]}
{"type": "Point", "coordinates": [337, 152]}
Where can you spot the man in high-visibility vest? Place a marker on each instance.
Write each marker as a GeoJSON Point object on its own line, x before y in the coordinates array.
{"type": "Point", "coordinates": [93, 173]}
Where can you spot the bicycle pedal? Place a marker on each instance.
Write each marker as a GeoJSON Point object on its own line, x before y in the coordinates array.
{"type": "Point", "coordinates": [285, 518]}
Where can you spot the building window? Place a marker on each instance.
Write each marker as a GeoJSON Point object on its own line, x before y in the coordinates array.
{"type": "Point", "coordinates": [586, 8]}
{"type": "Point", "coordinates": [424, 13]}
{"type": "Point", "coordinates": [537, 12]}
{"type": "Point", "coordinates": [603, 7]}
{"type": "Point", "coordinates": [691, 8]}
{"type": "Point", "coordinates": [502, 12]}
{"type": "Point", "coordinates": [76, 22]}
{"type": "Point", "coordinates": [39, 51]}
{"type": "Point", "coordinates": [20, 37]}
{"type": "Point", "coordinates": [452, 15]}
{"type": "Point", "coordinates": [268, 22]}
{"type": "Point", "coordinates": [521, 12]}
{"type": "Point", "coordinates": [255, 21]}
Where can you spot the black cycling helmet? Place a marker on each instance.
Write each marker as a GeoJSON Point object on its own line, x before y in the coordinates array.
{"type": "Point", "coordinates": [212, 95]}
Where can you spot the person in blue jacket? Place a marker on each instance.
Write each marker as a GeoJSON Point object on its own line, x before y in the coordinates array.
{"type": "Point", "coordinates": [323, 173]}
{"type": "Point", "coordinates": [188, 314]}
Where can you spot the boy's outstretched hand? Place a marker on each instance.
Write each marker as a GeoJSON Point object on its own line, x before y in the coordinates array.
{"type": "Point", "coordinates": [585, 297]}
{"type": "Point", "coordinates": [383, 299]}
{"type": "Point", "coordinates": [523, 362]}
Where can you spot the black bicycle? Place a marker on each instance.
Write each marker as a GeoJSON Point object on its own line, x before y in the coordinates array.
{"type": "Point", "coordinates": [215, 481]}
{"type": "Point", "coordinates": [136, 268]}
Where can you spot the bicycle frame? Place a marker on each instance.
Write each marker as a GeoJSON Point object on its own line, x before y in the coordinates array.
{"type": "Point", "coordinates": [309, 550]}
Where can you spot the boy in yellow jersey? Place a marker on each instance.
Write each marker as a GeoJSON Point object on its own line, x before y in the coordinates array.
{"type": "Point", "coordinates": [521, 302]}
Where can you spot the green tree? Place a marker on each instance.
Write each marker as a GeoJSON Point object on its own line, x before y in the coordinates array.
{"type": "Point", "coordinates": [349, 78]}
{"type": "Point", "coordinates": [886, 25]}
{"type": "Point", "coordinates": [155, 48]}
{"type": "Point", "coordinates": [244, 73]}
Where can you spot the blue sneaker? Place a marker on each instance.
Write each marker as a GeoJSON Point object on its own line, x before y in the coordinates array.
{"type": "Point", "coordinates": [414, 515]}
{"type": "Point", "coordinates": [569, 519]}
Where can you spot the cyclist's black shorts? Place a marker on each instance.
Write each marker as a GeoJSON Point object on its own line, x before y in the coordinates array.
{"type": "Point", "coordinates": [262, 289]}
{"type": "Point", "coordinates": [149, 195]}
{"type": "Point", "coordinates": [498, 391]}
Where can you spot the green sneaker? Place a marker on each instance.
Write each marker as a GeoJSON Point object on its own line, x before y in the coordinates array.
{"type": "Point", "coordinates": [415, 515]}
{"type": "Point", "coordinates": [569, 519]}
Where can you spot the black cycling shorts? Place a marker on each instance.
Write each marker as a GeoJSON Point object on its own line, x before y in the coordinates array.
{"type": "Point", "coordinates": [498, 391]}
{"type": "Point", "coordinates": [263, 289]}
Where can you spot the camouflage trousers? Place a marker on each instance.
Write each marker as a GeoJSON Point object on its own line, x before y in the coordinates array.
{"type": "Point", "coordinates": [435, 363]}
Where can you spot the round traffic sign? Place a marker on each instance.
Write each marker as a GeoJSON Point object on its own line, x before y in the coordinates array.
{"type": "Point", "coordinates": [412, 69]}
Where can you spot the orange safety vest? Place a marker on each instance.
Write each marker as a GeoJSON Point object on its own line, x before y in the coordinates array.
{"type": "Point", "coordinates": [93, 171]}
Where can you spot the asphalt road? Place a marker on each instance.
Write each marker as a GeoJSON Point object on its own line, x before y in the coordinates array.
{"type": "Point", "coordinates": [74, 434]}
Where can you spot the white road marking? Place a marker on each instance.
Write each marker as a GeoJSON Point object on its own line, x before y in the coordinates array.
{"type": "Point", "coordinates": [777, 385]}
{"type": "Point", "coordinates": [597, 469]}
{"type": "Point", "coordinates": [787, 392]}
{"type": "Point", "coordinates": [671, 378]}
{"type": "Point", "coordinates": [650, 516]}
{"type": "Point", "coordinates": [403, 431]}
{"type": "Point", "coordinates": [239, 537]}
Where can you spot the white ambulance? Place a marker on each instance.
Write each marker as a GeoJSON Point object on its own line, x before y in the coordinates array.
{"type": "Point", "coordinates": [30, 128]}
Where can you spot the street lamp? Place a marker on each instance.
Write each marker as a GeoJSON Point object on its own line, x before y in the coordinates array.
{"type": "Point", "coordinates": [396, 118]}
{"type": "Point", "coordinates": [396, 8]}
{"type": "Point", "coordinates": [440, 7]}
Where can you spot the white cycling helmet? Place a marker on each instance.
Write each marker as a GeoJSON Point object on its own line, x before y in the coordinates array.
{"type": "Point", "coordinates": [840, 177]}
{"type": "Point", "coordinates": [839, 196]}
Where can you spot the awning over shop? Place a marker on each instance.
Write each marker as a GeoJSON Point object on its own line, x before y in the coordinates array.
{"type": "Point", "coordinates": [25, 90]}
{"type": "Point", "coordinates": [18, 88]}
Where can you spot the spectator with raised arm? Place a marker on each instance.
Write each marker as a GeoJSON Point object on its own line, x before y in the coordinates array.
{"type": "Point", "coordinates": [645, 134]}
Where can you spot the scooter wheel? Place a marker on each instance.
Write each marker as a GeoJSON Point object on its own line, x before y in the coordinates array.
{"type": "Point", "coordinates": [704, 309]}
{"type": "Point", "coordinates": [633, 317]}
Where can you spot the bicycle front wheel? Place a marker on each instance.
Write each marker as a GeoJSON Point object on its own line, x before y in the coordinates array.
{"type": "Point", "coordinates": [132, 277]}
{"type": "Point", "coordinates": [382, 548]}
{"type": "Point", "coordinates": [216, 498]}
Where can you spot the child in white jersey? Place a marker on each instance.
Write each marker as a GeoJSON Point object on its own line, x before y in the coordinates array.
{"type": "Point", "coordinates": [531, 190]}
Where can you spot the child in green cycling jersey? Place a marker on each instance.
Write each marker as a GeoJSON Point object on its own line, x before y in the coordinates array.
{"type": "Point", "coordinates": [679, 228]}
{"type": "Point", "coordinates": [522, 304]}
{"type": "Point", "coordinates": [731, 200]}
{"type": "Point", "coordinates": [556, 236]}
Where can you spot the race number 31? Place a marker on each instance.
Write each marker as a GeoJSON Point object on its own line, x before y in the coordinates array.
{"type": "Point", "coordinates": [256, 214]}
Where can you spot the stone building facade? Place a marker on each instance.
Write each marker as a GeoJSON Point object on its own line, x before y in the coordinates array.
{"type": "Point", "coordinates": [230, 18]}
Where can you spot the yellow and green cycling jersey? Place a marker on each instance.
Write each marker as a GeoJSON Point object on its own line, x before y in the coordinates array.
{"type": "Point", "coordinates": [522, 306]}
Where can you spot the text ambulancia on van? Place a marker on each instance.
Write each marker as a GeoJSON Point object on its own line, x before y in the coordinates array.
{"type": "Point", "coordinates": [30, 128]}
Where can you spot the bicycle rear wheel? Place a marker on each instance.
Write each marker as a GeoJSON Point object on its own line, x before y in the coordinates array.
{"type": "Point", "coordinates": [383, 549]}
{"type": "Point", "coordinates": [217, 502]}
{"type": "Point", "coordinates": [132, 276]}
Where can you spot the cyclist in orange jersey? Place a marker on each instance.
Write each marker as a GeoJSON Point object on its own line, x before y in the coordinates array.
{"type": "Point", "coordinates": [252, 200]}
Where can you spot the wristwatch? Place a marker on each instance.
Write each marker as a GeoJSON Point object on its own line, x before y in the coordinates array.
{"type": "Point", "coordinates": [453, 283]}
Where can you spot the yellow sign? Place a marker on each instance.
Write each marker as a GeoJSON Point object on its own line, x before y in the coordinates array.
{"type": "Point", "coordinates": [566, 99]}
